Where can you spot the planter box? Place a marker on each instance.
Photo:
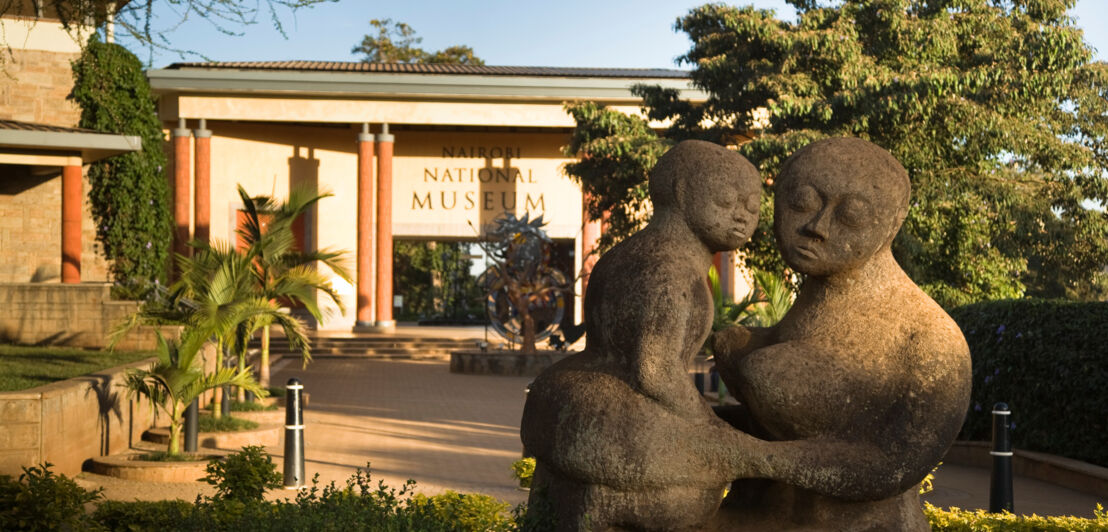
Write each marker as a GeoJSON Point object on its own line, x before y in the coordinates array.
{"type": "Point", "coordinates": [68, 422]}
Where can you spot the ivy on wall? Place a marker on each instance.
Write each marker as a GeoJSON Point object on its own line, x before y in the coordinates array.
{"type": "Point", "coordinates": [128, 194]}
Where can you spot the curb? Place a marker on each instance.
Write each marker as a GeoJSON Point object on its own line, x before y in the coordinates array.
{"type": "Point", "coordinates": [1065, 472]}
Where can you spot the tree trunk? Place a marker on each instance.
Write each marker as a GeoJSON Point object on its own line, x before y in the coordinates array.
{"type": "Point", "coordinates": [263, 365]}
{"type": "Point", "coordinates": [217, 394]}
{"type": "Point", "coordinates": [242, 367]}
{"type": "Point", "coordinates": [175, 430]}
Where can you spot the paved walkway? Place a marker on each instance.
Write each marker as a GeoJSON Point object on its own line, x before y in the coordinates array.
{"type": "Point", "coordinates": [415, 419]}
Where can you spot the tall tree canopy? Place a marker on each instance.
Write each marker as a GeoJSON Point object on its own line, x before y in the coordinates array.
{"type": "Point", "coordinates": [396, 42]}
{"type": "Point", "coordinates": [995, 107]}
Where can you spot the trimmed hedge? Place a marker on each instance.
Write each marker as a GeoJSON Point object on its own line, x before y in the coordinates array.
{"type": "Point", "coordinates": [1048, 359]}
{"type": "Point", "coordinates": [957, 520]}
{"type": "Point", "coordinates": [40, 500]}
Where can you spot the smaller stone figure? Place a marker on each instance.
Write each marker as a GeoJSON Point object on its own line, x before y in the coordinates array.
{"type": "Point", "coordinates": [621, 437]}
{"type": "Point", "coordinates": [864, 384]}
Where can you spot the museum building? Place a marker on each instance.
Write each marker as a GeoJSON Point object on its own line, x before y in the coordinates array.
{"type": "Point", "coordinates": [408, 152]}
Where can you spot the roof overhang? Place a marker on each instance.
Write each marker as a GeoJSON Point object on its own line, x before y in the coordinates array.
{"type": "Point", "coordinates": [408, 85]}
{"type": "Point", "coordinates": [48, 145]}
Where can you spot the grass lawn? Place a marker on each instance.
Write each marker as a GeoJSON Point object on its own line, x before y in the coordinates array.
{"type": "Point", "coordinates": [23, 367]}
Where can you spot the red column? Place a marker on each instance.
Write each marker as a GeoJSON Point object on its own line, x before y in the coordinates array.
{"type": "Point", "coordinates": [72, 197]}
{"type": "Point", "coordinates": [202, 208]}
{"type": "Point", "coordinates": [590, 241]}
{"type": "Point", "coordinates": [364, 285]}
{"type": "Point", "coordinates": [181, 192]}
{"type": "Point", "coordinates": [384, 230]}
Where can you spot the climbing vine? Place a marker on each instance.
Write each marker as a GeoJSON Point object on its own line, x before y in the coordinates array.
{"type": "Point", "coordinates": [128, 194]}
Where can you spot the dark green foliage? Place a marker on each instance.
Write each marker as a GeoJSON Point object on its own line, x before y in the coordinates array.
{"type": "Point", "coordinates": [41, 500]}
{"type": "Point", "coordinates": [144, 515]}
{"type": "Point", "coordinates": [615, 154]}
{"type": "Point", "coordinates": [996, 110]}
{"type": "Point", "coordinates": [396, 42]}
{"type": "Point", "coordinates": [128, 193]}
{"type": "Point", "coordinates": [244, 476]}
{"type": "Point", "coordinates": [225, 424]}
{"type": "Point", "coordinates": [434, 279]}
{"type": "Point", "coordinates": [255, 406]}
{"type": "Point", "coordinates": [1047, 360]}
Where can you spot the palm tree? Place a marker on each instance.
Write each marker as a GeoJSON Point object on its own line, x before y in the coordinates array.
{"type": "Point", "coordinates": [212, 299]}
{"type": "Point", "coordinates": [177, 379]}
{"type": "Point", "coordinates": [219, 281]}
{"type": "Point", "coordinates": [281, 272]}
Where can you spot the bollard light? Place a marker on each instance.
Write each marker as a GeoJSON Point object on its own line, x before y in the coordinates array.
{"type": "Point", "coordinates": [294, 435]}
{"type": "Point", "coordinates": [1000, 481]}
{"type": "Point", "coordinates": [192, 425]}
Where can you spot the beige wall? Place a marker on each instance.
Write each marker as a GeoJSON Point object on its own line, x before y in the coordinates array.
{"type": "Point", "coordinates": [269, 158]}
{"type": "Point", "coordinates": [30, 228]}
{"type": "Point", "coordinates": [33, 88]}
{"type": "Point", "coordinates": [35, 85]}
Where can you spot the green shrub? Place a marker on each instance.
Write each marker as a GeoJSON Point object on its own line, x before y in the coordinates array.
{"type": "Point", "coordinates": [41, 500]}
{"type": "Point", "coordinates": [462, 512]}
{"type": "Point", "coordinates": [523, 470]}
{"type": "Point", "coordinates": [1047, 360]}
{"type": "Point", "coordinates": [225, 424]}
{"type": "Point", "coordinates": [957, 520]}
{"type": "Point", "coordinates": [245, 475]}
{"type": "Point", "coordinates": [144, 515]}
{"type": "Point", "coordinates": [252, 406]}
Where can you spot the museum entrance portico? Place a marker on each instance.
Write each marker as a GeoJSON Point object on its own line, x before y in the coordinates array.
{"type": "Point", "coordinates": [418, 155]}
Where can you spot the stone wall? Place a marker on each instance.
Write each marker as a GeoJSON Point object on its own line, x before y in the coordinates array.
{"type": "Point", "coordinates": [68, 422]}
{"type": "Point", "coordinates": [35, 86]}
{"type": "Point", "coordinates": [79, 315]}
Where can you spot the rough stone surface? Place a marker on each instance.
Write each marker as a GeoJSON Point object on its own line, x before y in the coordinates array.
{"type": "Point", "coordinates": [621, 437]}
{"type": "Point", "coordinates": [862, 387]}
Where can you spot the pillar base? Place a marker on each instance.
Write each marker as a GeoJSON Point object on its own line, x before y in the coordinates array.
{"type": "Point", "coordinates": [375, 327]}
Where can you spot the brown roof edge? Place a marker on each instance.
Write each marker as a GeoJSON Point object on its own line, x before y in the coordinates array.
{"type": "Point", "coordinates": [419, 68]}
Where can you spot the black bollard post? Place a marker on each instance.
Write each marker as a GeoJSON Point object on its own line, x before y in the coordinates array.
{"type": "Point", "coordinates": [225, 405]}
{"type": "Point", "coordinates": [192, 425]}
{"type": "Point", "coordinates": [698, 381]}
{"type": "Point", "coordinates": [1000, 482]}
{"type": "Point", "coordinates": [294, 435]}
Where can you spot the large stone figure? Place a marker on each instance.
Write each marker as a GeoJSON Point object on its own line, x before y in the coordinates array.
{"type": "Point", "coordinates": [621, 436]}
{"type": "Point", "coordinates": [864, 384]}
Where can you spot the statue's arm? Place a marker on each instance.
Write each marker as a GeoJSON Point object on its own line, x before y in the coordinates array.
{"type": "Point", "coordinates": [902, 446]}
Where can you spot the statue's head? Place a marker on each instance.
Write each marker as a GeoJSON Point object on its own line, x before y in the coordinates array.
{"type": "Point", "coordinates": [715, 191]}
{"type": "Point", "coordinates": [838, 202]}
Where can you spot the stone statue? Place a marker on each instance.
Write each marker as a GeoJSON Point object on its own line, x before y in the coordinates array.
{"type": "Point", "coordinates": [622, 439]}
{"type": "Point", "coordinates": [863, 386]}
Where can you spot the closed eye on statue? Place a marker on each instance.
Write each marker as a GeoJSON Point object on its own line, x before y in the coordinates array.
{"type": "Point", "coordinates": [805, 199]}
{"type": "Point", "coordinates": [853, 212]}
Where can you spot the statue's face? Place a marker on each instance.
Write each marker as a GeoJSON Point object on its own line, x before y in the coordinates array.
{"type": "Point", "coordinates": [723, 211]}
{"type": "Point", "coordinates": [831, 221]}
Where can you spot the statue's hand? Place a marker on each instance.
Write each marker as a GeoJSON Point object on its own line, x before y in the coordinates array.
{"type": "Point", "coordinates": [731, 343]}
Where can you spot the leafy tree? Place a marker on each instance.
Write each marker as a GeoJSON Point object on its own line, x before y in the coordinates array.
{"type": "Point", "coordinates": [396, 42]}
{"type": "Point", "coordinates": [616, 152]}
{"type": "Point", "coordinates": [128, 194]}
{"type": "Point", "coordinates": [995, 108]}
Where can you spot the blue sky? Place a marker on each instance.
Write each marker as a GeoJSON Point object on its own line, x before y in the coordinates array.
{"type": "Point", "coordinates": [584, 33]}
